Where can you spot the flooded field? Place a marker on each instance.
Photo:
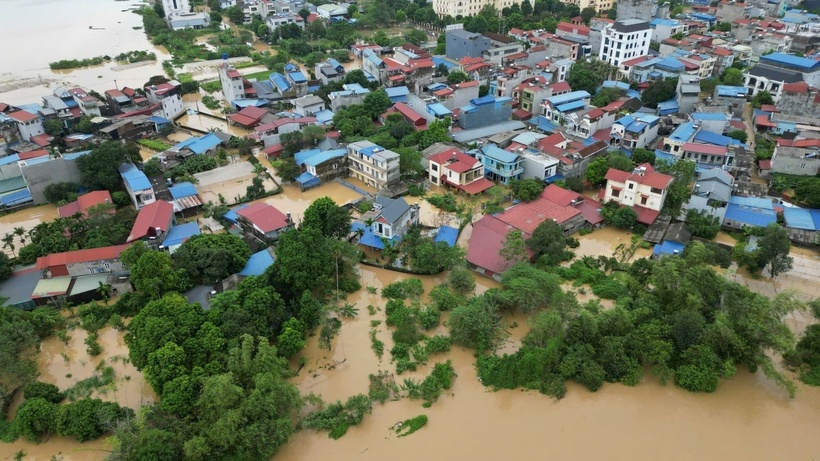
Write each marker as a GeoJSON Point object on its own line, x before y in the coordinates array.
{"type": "Point", "coordinates": [296, 202]}
{"type": "Point", "coordinates": [604, 241]}
{"type": "Point", "coordinates": [28, 219]}
{"type": "Point", "coordinates": [71, 29]}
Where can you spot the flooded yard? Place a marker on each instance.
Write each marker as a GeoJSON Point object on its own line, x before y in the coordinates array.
{"type": "Point", "coordinates": [203, 122]}
{"type": "Point", "coordinates": [296, 202]}
{"type": "Point", "coordinates": [28, 219]}
{"type": "Point", "coordinates": [231, 181]}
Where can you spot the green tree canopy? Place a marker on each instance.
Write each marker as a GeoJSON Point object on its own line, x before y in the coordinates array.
{"type": "Point", "coordinates": [659, 91]}
{"type": "Point", "coordinates": [209, 258]}
{"type": "Point", "coordinates": [99, 169]}
{"type": "Point", "coordinates": [548, 243]}
{"type": "Point", "coordinates": [328, 218]}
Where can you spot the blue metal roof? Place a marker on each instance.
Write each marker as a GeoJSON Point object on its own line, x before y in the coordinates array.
{"type": "Point", "coordinates": [439, 61]}
{"type": "Point", "coordinates": [9, 159]}
{"type": "Point", "coordinates": [135, 178]}
{"type": "Point", "coordinates": [569, 97]}
{"type": "Point", "coordinates": [570, 106]}
{"type": "Point", "coordinates": [372, 57]}
{"type": "Point", "coordinates": [447, 234]}
{"type": "Point", "coordinates": [704, 17]}
{"type": "Point", "coordinates": [438, 109]}
{"type": "Point", "coordinates": [76, 155]}
{"type": "Point", "coordinates": [671, 64]}
{"type": "Point", "coordinates": [231, 215]}
{"type": "Point", "coordinates": [665, 156]}
{"type": "Point", "coordinates": [749, 215]}
{"type": "Point", "coordinates": [182, 190]}
{"type": "Point", "coordinates": [615, 84]}
{"type": "Point", "coordinates": [397, 91]}
{"type": "Point", "coordinates": [799, 218]}
{"type": "Point", "coordinates": [542, 123]}
{"type": "Point", "coordinates": [291, 67]}
{"type": "Point", "coordinates": [307, 179]}
{"type": "Point", "coordinates": [279, 81]}
{"type": "Point", "coordinates": [709, 116]}
{"type": "Point", "coordinates": [731, 91]}
{"type": "Point", "coordinates": [204, 143]}
{"type": "Point", "coordinates": [257, 263]}
{"type": "Point", "coordinates": [668, 248]}
{"type": "Point", "coordinates": [494, 152]}
{"type": "Point", "coordinates": [668, 107]}
{"type": "Point", "coordinates": [752, 202]}
{"type": "Point", "coordinates": [322, 157]}
{"type": "Point", "coordinates": [243, 103]}
{"type": "Point", "coordinates": [707, 137]}
{"type": "Point", "coordinates": [684, 132]}
{"type": "Point", "coordinates": [301, 156]}
{"type": "Point", "coordinates": [177, 235]}
{"type": "Point", "coordinates": [790, 60]}
{"type": "Point", "coordinates": [334, 63]}
{"type": "Point", "coordinates": [16, 198]}
{"type": "Point", "coordinates": [483, 101]}
{"type": "Point", "coordinates": [159, 120]}
{"type": "Point", "coordinates": [663, 22]}
{"type": "Point", "coordinates": [297, 77]}
{"type": "Point", "coordinates": [374, 241]}
{"type": "Point", "coordinates": [370, 150]}
{"type": "Point", "coordinates": [324, 116]}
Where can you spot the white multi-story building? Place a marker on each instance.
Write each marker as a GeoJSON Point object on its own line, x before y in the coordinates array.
{"type": "Point", "coordinates": [372, 164]}
{"type": "Point", "coordinates": [233, 84]}
{"type": "Point", "coordinates": [642, 187]}
{"type": "Point", "coordinates": [468, 7]}
{"type": "Point", "coordinates": [625, 40]}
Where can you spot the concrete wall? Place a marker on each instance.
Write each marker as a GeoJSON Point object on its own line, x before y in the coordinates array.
{"type": "Point", "coordinates": [802, 104]}
{"type": "Point", "coordinates": [637, 9]}
{"type": "Point", "coordinates": [40, 175]}
{"type": "Point", "coordinates": [94, 267]}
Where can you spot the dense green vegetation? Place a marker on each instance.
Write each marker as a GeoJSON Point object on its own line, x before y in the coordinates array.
{"type": "Point", "coordinates": [135, 56]}
{"type": "Point", "coordinates": [76, 63]}
{"type": "Point", "coordinates": [695, 340]}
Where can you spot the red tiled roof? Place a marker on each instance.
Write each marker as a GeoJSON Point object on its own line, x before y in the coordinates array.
{"type": "Point", "coordinates": [522, 114]}
{"type": "Point", "coordinates": [443, 92]}
{"type": "Point", "coordinates": [514, 56]}
{"type": "Point", "coordinates": [80, 256]}
{"type": "Point", "coordinates": [798, 142]}
{"type": "Point", "coordinates": [602, 135]}
{"type": "Point", "coordinates": [421, 63]}
{"type": "Point", "coordinates": [274, 149]}
{"type": "Point", "coordinates": [797, 87]}
{"type": "Point", "coordinates": [572, 28]}
{"type": "Point", "coordinates": [22, 116]}
{"type": "Point", "coordinates": [33, 154]}
{"type": "Point", "coordinates": [264, 216]}
{"type": "Point", "coordinates": [455, 160]}
{"type": "Point", "coordinates": [470, 84]}
{"type": "Point", "coordinates": [560, 87]}
{"type": "Point", "coordinates": [42, 140]}
{"type": "Point", "coordinates": [409, 113]}
{"type": "Point", "coordinates": [549, 143]}
{"type": "Point", "coordinates": [151, 216]}
{"type": "Point", "coordinates": [233, 73]}
{"type": "Point", "coordinates": [635, 61]}
{"type": "Point", "coordinates": [721, 51]}
{"type": "Point", "coordinates": [769, 108]}
{"type": "Point", "coordinates": [478, 186]}
{"type": "Point", "coordinates": [528, 215]}
{"type": "Point", "coordinates": [649, 177]}
{"type": "Point", "coordinates": [613, 106]}
{"type": "Point", "coordinates": [737, 124]}
{"type": "Point", "coordinates": [705, 149]}
{"type": "Point", "coordinates": [645, 215]}
{"type": "Point", "coordinates": [763, 120]}
{"type": "Point", "coordinates": [765, 165]}
{"type": "Point", "coordinates": [486, 242]}
{"type": "Point", "coordinates": [595, 113]}
{"type": "Point", "coordinates": [283, 121]}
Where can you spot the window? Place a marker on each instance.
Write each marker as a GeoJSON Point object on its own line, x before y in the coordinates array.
{"type": "Point", "coordinates": [433, 167]}
{"type": "Point", "coordinates": [631, 185]}
{"type": "Point", "coordinates": [616, 193]}
{"type": "Point", "coordinates": [655, 190]}
{"type": "Point", "coordinates": [643, 200]}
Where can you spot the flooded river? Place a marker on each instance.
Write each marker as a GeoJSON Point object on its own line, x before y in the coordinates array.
{"type": "Point", "coordinates": [70, 29]}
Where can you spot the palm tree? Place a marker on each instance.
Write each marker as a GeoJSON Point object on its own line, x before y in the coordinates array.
{"type": "Point", "coordinates": [104, 290]}
{"type": "Point", "coordinates": [8, 242]}
{"type": "Point", "coordinates": [20, 232]}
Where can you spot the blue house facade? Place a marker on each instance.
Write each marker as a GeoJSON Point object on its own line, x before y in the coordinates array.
{"type": "Point", "coordinates": [485, 111]}
{"type": "Point", "coordinates": [500, 165]}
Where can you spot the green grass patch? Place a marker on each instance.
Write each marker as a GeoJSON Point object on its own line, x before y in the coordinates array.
{"type": "Point", "coordinates": [154, 144]}
{"type": "Point", "coordinates": [103, 377]}
{"type": "Point", "coordinates": [263, 75]}
{"type": "Point", "coordinates": [411, 425]}
{"type": "Point", "coordinates": [212, 87]}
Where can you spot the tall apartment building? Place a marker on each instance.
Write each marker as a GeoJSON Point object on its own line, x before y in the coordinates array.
{"type": "Point", "coordinates": [468, 7]}
{"type": "Point", "coordinates": [372, 164]}
{"type": "Point", "coordinates": [601, 6]}
{"type": "Point", "coordinates": [625, 40]}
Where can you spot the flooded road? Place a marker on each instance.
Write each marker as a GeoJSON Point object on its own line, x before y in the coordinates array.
{"type": "Point", "coordinates": [604, 241]}
{"type": "Point", "coordinates": [56, 30]}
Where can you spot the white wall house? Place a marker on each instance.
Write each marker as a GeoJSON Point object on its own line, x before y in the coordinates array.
{"type": "Point", "coordinates": [28, 124]}
{"type": "Point", "coordinates": [643, 187]}
{"type": "Point", "coordinates": [625, 40]}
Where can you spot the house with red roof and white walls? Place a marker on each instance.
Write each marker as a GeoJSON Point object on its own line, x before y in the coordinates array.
{"type": "Point", "coordinates": [643, 189]}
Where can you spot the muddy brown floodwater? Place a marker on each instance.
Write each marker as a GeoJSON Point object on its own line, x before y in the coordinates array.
{"type": "Point", "coordinates": [747, 418]}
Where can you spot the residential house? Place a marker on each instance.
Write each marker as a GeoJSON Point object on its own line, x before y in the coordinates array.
{"type": "Point", "coordinates": [233, 83]}
{"type": "Point", "coordinates": [460, 43]}
{"type": "Point", "coordinates": [153, 222]}
{"type": "Point", "coordinates": [803, 225]}
{"type": "Point", "coordinates": [500, 165]}
{"type": "Point", "coordinates": [748, 212]}
{"type": "Point", "coordinates": [179, 16]}
{"type": "Point", "coordinates": [642, 189]}
{"type": "Point", "coordinates": [269, 132]}
{"type": "Point", "coordinates": [196, 145]}
{"type": "Point", "coordinates": [734, 96]}
{"type": "Point", "coordinates": [169, 96]}
{"type": "Point", "coordinates": [184, 197]}
{"type": "Point", "coordinates": [137, 185]}
{"type": "Point", "coordinates": [687, 94]}
{"type": "Point", "coordinates": [178, 235]}
{"type": "Point", "coordinates": [574, 157]}
{"type": "Point", "coordinates": [777, 69]}
{"type": "Point", "coordinates": [458, 170]}
{"type": "Point", "coordinates": [329, 71]}
{"type": "Point", "coordinates": [351, 94]}
{"type": "Point", "coordinates": [82, 262]}
{"type": "Point", "coordinates": [458, 8]}
{"type": "Point", "coordinates": [389, 219]}
{"type": "Point", "coordinates": [332, 12]}
{"type": "Point", "coordinates": [499, 50]}
{"type": "Point", "coordinates": [536, 164]}
{"type": "Point", "coordinates": [264, 221]}
{"type": "Point", "coordinates": [130, 129]}
{"type": "Point", "coordinates": [479, 69]}
{"type": "Point", "coordinates": [800, 99]}
{"type": "Point", "coordinates": [665, 28]}
{"type": "Point", "coordinates": [712, 191]}
{"type": "Point", "coordinates": [320, 166]}
{"type": "Point", "coordinates": [308, 105]}
{"type": "Point", "coordinates": [635, 130]}
{"type": "Point", "coordinates": [373, 164]}
{"type": "Point", "coordinates": [558, 109]}
{"type": "Point", "coordinates": [624, 40]}
{"type": "Point", "coordinates": [397, 94]}
{"type": "Point", "coordinates": [118, 101]}
{"type": "Point", "coordinates": [710, 150]}
{"type": "Point", "coordinates": [248, 117]}
{"type": "Point", "coordinates": [797, 157]}
{"type": "Point", "coordinates": [84, 203]}
{"type": "Point", "coordinates": [89, 105]}
{"type": "Point", "coordinates": [485, 111]}
{"type": "Point", "coordinates": [28, 124]}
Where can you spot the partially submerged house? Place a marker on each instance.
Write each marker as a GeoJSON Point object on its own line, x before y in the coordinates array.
{"type": "Point", "coordinates": [263, 221]}
{"type": "Point", "coordinates": [389, 219]}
